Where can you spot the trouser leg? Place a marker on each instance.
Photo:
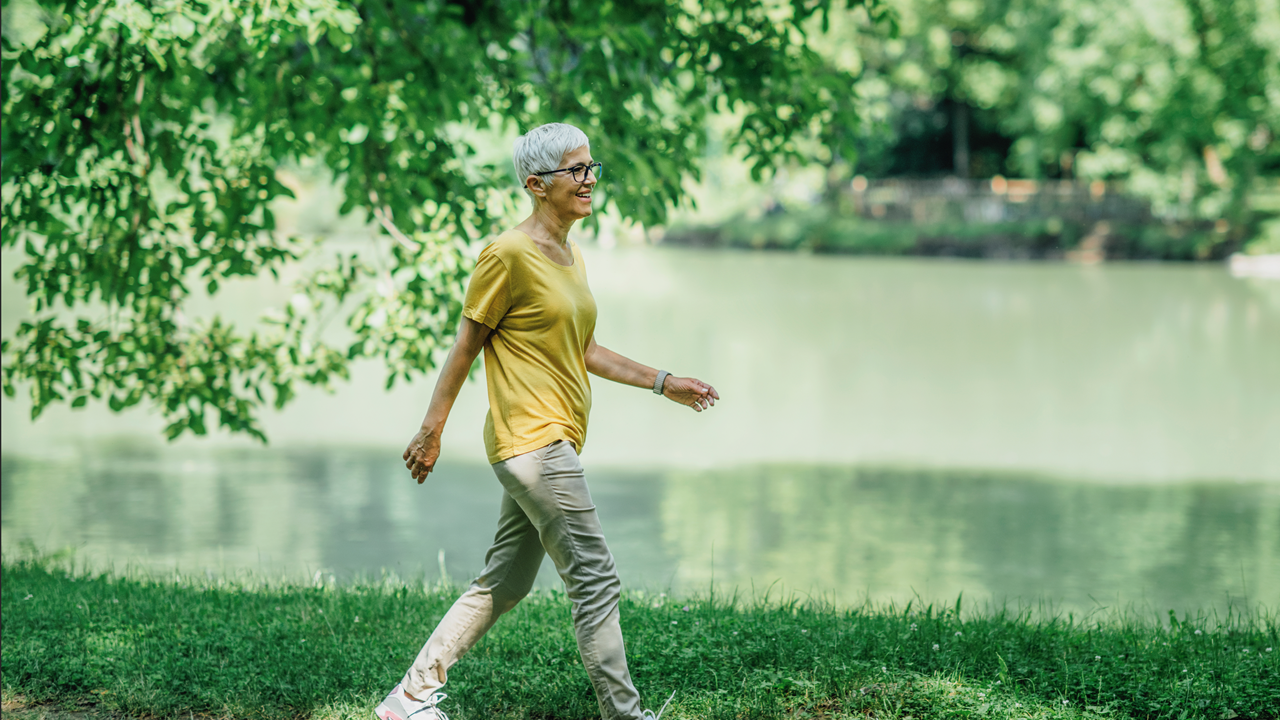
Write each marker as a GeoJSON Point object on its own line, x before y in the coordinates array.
{"type": "Point", "coordinates": [510, 568]}
{"type": "Point", "coordinates": [550, 487]}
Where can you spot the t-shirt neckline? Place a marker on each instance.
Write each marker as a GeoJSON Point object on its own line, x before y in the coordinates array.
{"type": "Point", "coordinates": [572, 251]}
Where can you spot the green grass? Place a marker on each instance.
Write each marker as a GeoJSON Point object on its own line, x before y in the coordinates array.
{"type": "Point", "coordinates": [140, 646]}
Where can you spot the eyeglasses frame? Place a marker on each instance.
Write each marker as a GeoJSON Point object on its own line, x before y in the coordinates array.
{"type": "Point", "coordinates": [590, 167]}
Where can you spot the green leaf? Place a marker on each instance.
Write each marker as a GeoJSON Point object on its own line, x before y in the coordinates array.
{"type": "Point", "coordinates": [148, 147]}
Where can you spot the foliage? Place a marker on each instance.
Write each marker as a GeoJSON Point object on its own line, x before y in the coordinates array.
{"type": "Point", "coordinates": [242, 648]}
{"type": "Point", "coordinates": [142, 142]}
{"type": "Point", "coordinates": [1179, 98]}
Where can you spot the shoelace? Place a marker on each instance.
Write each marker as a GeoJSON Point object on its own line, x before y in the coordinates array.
{"type": "Point", "coordinates": [431, 703]}
{"type": "Point", "coordinates": [648, 714]}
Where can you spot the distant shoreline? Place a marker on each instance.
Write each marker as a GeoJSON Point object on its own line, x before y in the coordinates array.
{"type": "Point", "coordinates": [1048, 240]}
{"type": "Point", "coordinates": [995, 219]}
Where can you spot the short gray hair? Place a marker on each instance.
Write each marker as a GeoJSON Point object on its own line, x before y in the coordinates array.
{"type": "Point", "coordinates": [542, 148]}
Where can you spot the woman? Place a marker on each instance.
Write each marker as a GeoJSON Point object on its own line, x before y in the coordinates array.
{"type": "Point", "coordinates": [528, 306]}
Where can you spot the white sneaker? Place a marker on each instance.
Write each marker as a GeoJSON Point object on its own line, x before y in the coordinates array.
{"type": "Point", "coordinates": [648, 714]}
{"type": "Point", "coordinates": [398, 706]}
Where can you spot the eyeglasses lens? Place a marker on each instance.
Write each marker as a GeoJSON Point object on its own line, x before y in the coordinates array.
{"type": "Point", "coordinates": [580, 172]}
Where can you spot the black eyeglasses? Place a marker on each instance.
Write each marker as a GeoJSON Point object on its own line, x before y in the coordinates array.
{"type": "Point", "coordinates": [579, 172]}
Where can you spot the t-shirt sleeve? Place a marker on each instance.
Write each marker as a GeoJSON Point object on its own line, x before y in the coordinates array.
{"type": "Point", "coordinates": [489, 291]}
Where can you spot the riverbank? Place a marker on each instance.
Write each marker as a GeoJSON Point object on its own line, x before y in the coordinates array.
{"type": "Point", "coordinates": [137, 646]}
{"type": "Point", "coordinates": [996, 218]}
{"type": "Point", "coordinates": [821, 232]}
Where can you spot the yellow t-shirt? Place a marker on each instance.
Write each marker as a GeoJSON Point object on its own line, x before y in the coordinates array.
{"type": "Point", "coordinates": [543, 316]}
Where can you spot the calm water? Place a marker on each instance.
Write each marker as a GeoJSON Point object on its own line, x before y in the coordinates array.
{"type": "Point", "coordinates": [890, 429]}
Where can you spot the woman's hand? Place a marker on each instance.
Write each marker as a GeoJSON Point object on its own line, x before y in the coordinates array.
{"type": "Point", "coordinates": [690, 391]}
{"type": "Point", "coordinates": [421, 455]}
{"type": "Point", "coordinates": [610, 365]}
{"type": "Point", "coordinates": [424, 449]}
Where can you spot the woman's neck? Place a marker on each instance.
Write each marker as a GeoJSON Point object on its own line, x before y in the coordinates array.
{"type": "Point", "coordinates": [545, 226]}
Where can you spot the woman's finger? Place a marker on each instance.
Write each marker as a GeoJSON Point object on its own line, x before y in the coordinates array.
{"type": "Point", "coordinates": [706, 390]}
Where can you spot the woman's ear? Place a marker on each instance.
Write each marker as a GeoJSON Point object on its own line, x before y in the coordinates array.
{"type": "Point", "coordinates": [534, 183]}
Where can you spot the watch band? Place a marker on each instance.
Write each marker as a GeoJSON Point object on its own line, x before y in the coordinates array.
{"type": "Point", "coordinates": [657, 384]}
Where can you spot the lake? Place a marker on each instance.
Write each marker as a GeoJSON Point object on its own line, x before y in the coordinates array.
{"type": "Point", "coordinates": [1067, 437]}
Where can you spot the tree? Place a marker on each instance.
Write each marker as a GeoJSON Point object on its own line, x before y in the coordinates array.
{"type": "Point", "coordinates": [1177, 98]}
{"type": "Point", "coordinates": [141, 141]}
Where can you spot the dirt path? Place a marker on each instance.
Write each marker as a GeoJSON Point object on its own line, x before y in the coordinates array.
{"type": "Point", "coordinates": [20, 710]}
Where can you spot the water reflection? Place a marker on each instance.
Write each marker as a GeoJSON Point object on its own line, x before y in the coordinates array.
{"type": "Point", "coordinates": [895, 533]}
{"type": "Point", "coordinates": [844, 533]}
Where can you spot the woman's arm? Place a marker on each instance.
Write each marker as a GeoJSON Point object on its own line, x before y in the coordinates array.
{"type": "Point", "coordinates": [423, 451]}
{"type": "Point", "coordinates": [611, 366]}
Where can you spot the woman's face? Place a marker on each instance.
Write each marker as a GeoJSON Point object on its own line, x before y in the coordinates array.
{"type": "Point", "coordinates": [566, 198]}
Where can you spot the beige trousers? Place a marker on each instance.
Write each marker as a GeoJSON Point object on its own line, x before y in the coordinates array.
{"type": "Point", "coordinates": [546, 509]}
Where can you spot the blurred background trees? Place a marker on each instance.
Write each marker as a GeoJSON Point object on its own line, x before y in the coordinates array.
{"type": "Point", "coordinates": [1178, 98]}
{"type": "Point", "coordinates": [1160, 117]}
